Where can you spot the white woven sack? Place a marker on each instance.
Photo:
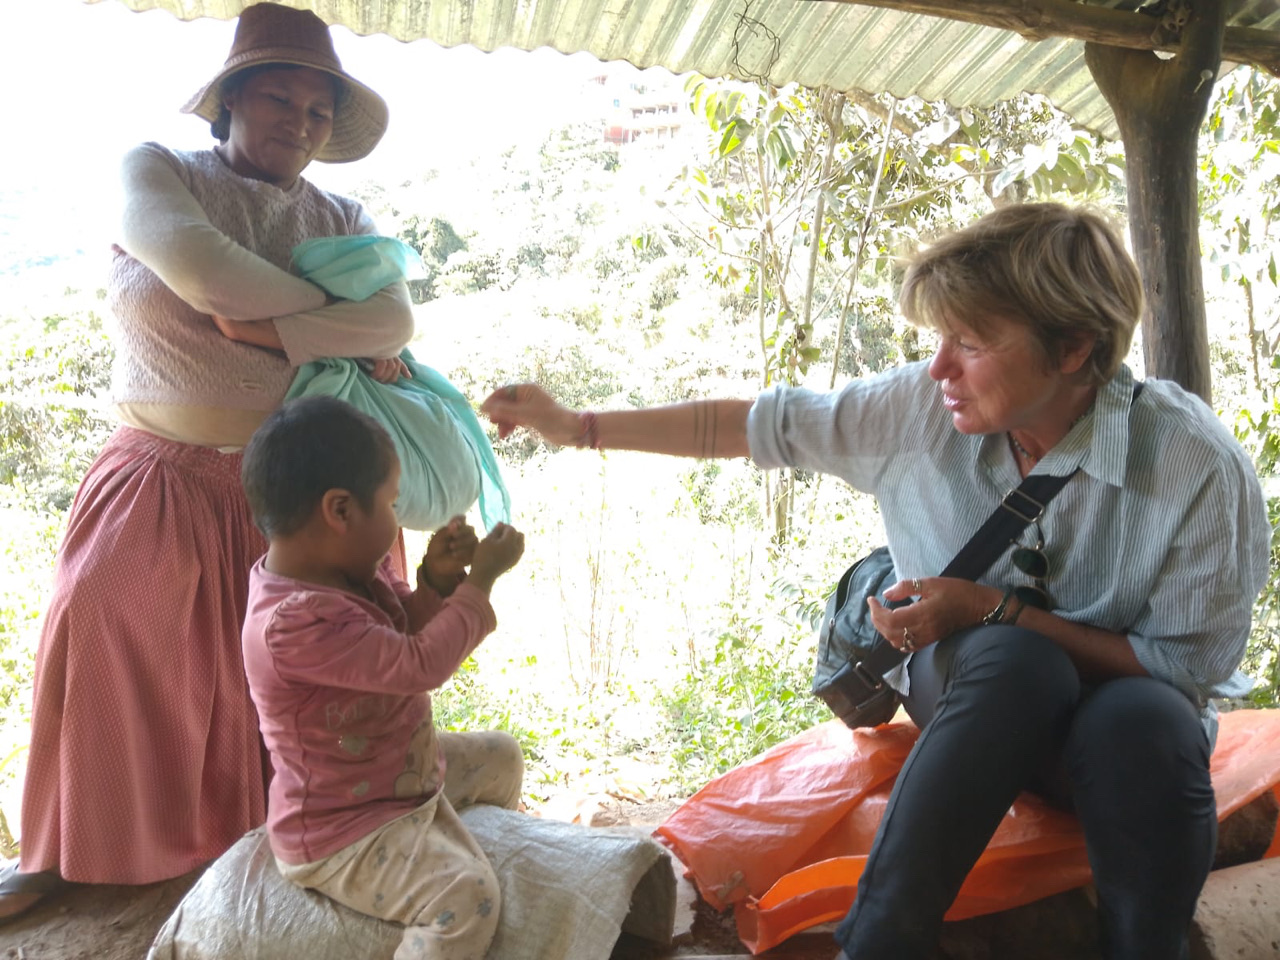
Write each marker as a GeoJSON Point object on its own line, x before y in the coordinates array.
{"type": "Point", "coordinates": [567, 893]}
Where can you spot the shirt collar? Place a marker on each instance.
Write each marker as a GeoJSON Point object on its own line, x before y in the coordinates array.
{"type": "Point", "coordinates": [1108, 442]}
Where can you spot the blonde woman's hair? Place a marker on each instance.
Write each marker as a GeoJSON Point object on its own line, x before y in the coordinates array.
{"type": "Point", "coordinates": [1061, 272]}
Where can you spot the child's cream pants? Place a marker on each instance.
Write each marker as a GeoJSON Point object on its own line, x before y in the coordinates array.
{"type": "Point", "coordinates": [424, 870]}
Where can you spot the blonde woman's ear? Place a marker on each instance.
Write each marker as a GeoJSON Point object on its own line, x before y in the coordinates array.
{"type": "Point", "coordinates": [1076, 354]}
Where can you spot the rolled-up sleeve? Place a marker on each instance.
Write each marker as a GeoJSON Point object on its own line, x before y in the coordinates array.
{"type": "Point", "coordinates": [764, 430]}
{"type": "Point", "coordinates": [850, 432]}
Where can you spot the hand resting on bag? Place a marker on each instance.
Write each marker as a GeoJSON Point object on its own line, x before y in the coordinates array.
{"type": "Point", "coordinates": [943, 606]}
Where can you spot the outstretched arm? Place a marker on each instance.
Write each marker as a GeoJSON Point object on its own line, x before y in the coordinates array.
{"type": "Point", "coordinates": [699, 428]}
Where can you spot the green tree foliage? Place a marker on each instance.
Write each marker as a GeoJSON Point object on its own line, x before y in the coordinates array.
{"type": "Point", "coordinates": [436, 240]}
{"type": "Point", "coordinates": [1258, 429]}
{"type": "Point", "coordinates": [52, 420]}
{"type": "Point", "coordinates": [1239, 198]}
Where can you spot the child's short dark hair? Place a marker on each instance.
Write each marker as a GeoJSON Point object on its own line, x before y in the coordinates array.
{"type": "Point", "coordinates": [306, 448]}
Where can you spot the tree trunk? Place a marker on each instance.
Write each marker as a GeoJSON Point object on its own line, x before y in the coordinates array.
{"type": "Point", "coordinates": [1159, 106]}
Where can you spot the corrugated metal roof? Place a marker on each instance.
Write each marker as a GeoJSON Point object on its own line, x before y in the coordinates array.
{"type": "Point", "coordinates": [814, 42]}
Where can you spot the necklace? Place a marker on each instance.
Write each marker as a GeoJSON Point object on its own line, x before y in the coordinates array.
{"type": "Point", "coordinates": [1030, 457]}
{"type": "Point", "coordinates": [1027, 454]}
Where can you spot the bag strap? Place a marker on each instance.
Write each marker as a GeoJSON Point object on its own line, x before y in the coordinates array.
{"type": "Point", "coordinates": [1023, 505]}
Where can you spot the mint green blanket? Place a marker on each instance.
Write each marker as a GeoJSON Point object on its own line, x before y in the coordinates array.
{"type": "Point", "coordinates": [446, 461]}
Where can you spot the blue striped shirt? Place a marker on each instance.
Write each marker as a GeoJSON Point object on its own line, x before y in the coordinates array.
{"type": "Point", "coordinates": [1163, 535]}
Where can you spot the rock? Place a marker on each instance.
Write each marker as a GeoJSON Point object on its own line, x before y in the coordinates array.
{"type": "Point", "coordinates": [1238, 917]}
{"type": "Point", "coordinates": [1245, 835]}
{"type": "Point", "coordinates": [606, 810]}
{"type": "Point", "coordinates": [613, 813]}
{"type": "Point", "coordinates": [1061, 927]}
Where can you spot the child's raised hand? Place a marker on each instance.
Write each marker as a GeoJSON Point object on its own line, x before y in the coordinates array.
{"type": "Point", "coordinates": [497, 553]}
{"type": "Point", "coordinates": [449, 551]}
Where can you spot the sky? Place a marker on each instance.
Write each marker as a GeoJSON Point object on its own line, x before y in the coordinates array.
{"type": "Point", "coordinates": [83, 82]}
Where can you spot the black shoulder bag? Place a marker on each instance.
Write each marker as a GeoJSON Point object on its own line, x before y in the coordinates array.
{"type": "Point", "coordinates": [852, 656]}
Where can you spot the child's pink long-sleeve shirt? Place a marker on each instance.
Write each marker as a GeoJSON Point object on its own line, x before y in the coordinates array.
{"type": "Point", "coordinates": [340, 688]}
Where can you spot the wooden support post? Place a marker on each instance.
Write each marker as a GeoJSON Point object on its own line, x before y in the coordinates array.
{"type": "Point", "coordinates": [1159, 106]}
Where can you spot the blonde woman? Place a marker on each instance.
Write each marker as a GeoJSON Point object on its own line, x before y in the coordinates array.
{"type": "Point", "coordinates": [1082, 664]}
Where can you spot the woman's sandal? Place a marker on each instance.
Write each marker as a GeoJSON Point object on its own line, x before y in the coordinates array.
{"type": "Point", "coordinates": [19, 892]}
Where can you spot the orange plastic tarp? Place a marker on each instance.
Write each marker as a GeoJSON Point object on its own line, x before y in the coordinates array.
{"type": "Point", "coordinates": [784, 837]}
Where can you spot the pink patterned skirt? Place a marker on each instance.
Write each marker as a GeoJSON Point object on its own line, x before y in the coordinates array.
{"type": "Point", "coordinates": [145, 757]}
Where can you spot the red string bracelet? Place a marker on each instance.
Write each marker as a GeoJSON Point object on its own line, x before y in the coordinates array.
{"type": "Point", "coordinates": [590, 435]}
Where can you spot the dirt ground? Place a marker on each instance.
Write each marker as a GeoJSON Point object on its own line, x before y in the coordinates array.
{"type": "Point", "coordinates": [94, 922]}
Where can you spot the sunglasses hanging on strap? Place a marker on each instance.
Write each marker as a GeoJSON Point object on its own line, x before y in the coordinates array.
{"type": "Point", "coordinates": [1033, 562]}
{"type": "Point", "coordinates": [852, 656]}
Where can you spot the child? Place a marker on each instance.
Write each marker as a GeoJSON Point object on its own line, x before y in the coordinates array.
{"type": "Point", "coordinates": [339, 653]}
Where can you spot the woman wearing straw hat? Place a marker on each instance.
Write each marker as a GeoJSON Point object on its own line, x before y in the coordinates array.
{"type": "Point", "coordinates": [145, 759]}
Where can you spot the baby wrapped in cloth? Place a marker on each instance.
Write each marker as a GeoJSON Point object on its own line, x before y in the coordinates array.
{"type": "Point", "coordinates": [446, 461]}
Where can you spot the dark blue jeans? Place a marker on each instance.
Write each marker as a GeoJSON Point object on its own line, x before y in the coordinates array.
{"type": "Point", "coordinates": [1002, 709]}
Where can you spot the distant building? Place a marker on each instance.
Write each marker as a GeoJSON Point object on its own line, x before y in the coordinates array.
{"type": "Point", "coordinates": [648, 107]}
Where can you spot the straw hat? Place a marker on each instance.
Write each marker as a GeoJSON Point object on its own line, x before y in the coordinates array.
{"type": "Point", "coordinates": [271, 33]}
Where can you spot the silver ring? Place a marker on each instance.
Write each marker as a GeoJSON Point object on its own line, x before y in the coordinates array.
{"type": "Point", "coordinates": [915, 586]}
